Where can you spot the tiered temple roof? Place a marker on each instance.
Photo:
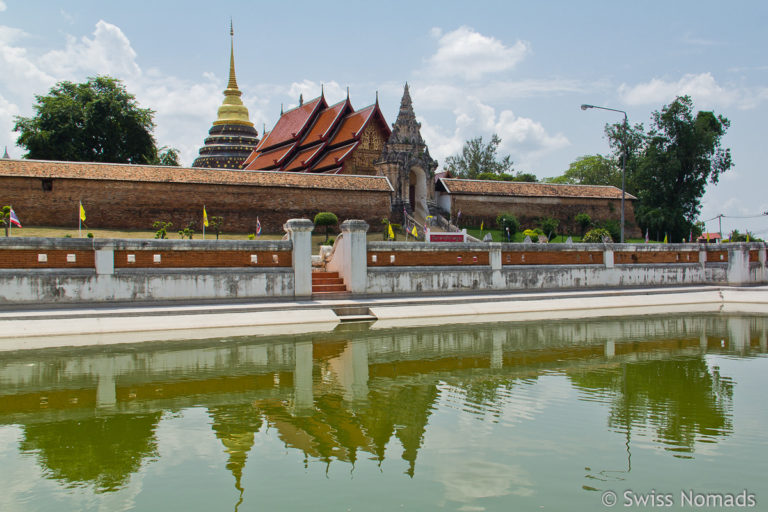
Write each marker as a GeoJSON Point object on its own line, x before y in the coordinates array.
{"type": "Point", "coordinates": [315, 137]}
{"type": "Point", "coordinates": [232, 137]}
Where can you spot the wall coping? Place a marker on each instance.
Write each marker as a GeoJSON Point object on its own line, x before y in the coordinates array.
{"type": "Point", "coordinates": [576, 247]}
{"type": "Point", "coordinates": [89, 244]}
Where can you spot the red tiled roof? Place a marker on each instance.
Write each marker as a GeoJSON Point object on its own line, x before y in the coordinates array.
{"type": "Point", "coordinates": [303, 158]}
{"type": "Point", "coordinates": [325, 123]}
{"type": "Point", "coordinates": [352, 126]}
{"type": "Point", "coordinates": [334, 157]}
{"type": "Point", "coordinates": [181, 175]}
{"type": "Point", "coordinates": [269, 159]}
{"type": "Point", "coordinates": [292, 123]}
{"type": "Point", "coordinates": [517, 188]}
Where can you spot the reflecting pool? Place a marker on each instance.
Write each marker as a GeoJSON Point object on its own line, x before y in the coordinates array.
{"type": "Point", "coordinates": [502, 416]}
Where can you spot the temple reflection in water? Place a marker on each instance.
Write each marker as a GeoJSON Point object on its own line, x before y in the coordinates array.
{"type": "Point", "coordinates": [90, 415]}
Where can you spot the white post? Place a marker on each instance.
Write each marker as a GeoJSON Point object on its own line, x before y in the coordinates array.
{"type": "Point", "coordinates": [355, 263]}
{"type": "Point", "coordinates": [300, 233]}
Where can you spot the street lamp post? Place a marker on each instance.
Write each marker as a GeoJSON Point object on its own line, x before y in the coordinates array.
{"type": "Point", "coordinates": [623, 160]}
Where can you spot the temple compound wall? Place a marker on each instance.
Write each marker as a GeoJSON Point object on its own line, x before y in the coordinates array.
{"type": "Point", "coordinates": [132, 197]}
{"type": "Point", "coordinates": [482, 201]}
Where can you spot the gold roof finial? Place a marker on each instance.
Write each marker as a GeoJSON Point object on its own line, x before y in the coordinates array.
{"type": "Point", "coordinates": [232, 110]}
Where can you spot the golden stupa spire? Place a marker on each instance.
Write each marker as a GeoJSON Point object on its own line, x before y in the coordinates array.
{"type": "Point", "coordinates": [232, 110]}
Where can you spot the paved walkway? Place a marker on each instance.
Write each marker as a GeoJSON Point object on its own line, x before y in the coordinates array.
{"type": "Point", "coordinates": [28, 327]}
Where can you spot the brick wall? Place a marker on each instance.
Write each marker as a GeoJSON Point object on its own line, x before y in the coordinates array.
{"type": "Point", "coordinates": [529, 210]}
{"type": "Point", "coordinates": [136, 205]}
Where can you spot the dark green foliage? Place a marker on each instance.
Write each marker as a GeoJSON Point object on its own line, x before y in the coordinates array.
{"type": "Point", "coordinates": [597, 235]}
{"type": "Point", "coordinates": [5, 216]}
{"type": "Point", "coordinates": [188, 231]}
{"type": "Point", "coordinates": [612, 227]}
{"type": "Point", "coordinates": [591, 170]}
{"type": "Point", "coordinates": [549, 227]}
{"type": "Point", "coordinates": [162, 228]}
{"type": "Point", "coordinates": [584, 221]}
{"type": "Point", "coordinates": [326, 219]}
{"type": "Point", "coordinates": [519, 176]}
{"type": "Point", "coordinates": [477, 158]}
{"type": "Point", "coordinates": [507, 220]}
{"type": "Point", "coordinates": [216, 224]}
{"type": "Point", "coordinates": [95, 121]}
{"type": "Point", "coordinates": [669, 167]}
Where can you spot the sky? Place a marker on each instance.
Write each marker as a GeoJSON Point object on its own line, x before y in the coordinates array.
{"type": "Point", "coordinates": [517, 69]}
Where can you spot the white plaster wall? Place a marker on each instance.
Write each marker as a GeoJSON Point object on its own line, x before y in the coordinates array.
{"type": "Point", "coordinates": [395, 280]}
{"type": "Point", "coordinates": [45, 286]}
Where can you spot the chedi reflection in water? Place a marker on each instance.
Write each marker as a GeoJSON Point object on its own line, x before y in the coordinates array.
{"type": "Point", "coordinates": [89, 417]}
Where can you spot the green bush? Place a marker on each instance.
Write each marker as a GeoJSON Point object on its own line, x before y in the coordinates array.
{"type": "Point", "coordinates": [507, 220]}
{"type": "Point", "coordinates": [533, 233]}
{"type": "Point", "coordinates": [584, 221]}
{"type": "Point", "coordinates": [89, 235]}
{"type": "Point", "coordinates": [161, 228]}
{"type": "Point", "coordinates": [613, 227]}
{"type": "Point", "coordinates": [549, 226]}
{"type": "Point", "coordinates": [251, 237]}
{"type": "Point", "coordinates": [596, 235]}
{"type": "Point", "coordinates": [326, 219]}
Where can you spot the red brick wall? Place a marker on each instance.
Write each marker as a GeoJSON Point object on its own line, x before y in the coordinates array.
{"type": "Point", "coordinates": [427, 258]}
{"type": "Point", "coordinates": [193, 259]}
{"type": "Point", "coordinates": [552, 258]}
{"type": "Point", "coordinates": [136, 205]}
{"type": "Point", "coordinates": [28, 258]}
{"type": "Point", "coordinates": [529, 210]}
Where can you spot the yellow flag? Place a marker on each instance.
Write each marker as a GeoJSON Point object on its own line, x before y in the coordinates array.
{"type": "Point", "coordinates": [665, 238]}
{"type": "Point", "coordinates": [205, 217]}
{"type": "Point", "coordinates": [391, 233]}
{"type": "Point", "coordinates": [482, 223]}
{"type": "Point", "coordinates": [82, 212]}
{"type": "Point", "coordinates": [707, 237]}
{"type": "Point", "coordinates": [747, 237]}
{"type": "Point", "coordinates": [414, 232]}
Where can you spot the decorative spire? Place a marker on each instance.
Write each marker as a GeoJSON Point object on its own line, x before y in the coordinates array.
{"type": "Point", "coordinates": [301, 99]}
{"type": "Point", "coordinates": [377, 96]}
{"type": "Point", "coordinates": [232, 110]}
{"type": "Point", "coordinates": [5, 156]}
{"type": "Point", "coordinates": [406, 129]}
{"type": "Point", "coordinates": [347, 92]}
{"type": "Point", "coordinates": [322, 90]}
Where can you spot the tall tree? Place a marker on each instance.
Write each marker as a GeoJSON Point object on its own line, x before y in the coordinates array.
{"type": "Point", "coordinates": [95, 121]}
{"type": "Point", "coordinates": [477, 158]}
{"type": "Point", "coordinates": [675, 160]}
{"type": "Point", "coordinates": [591, 170]}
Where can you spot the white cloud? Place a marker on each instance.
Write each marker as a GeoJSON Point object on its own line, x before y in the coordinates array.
{"type": "Point", "coordinates": [109, 52]}
{"type": "Point", "coordinates": [525, 139]}
{"type": "Point", "coordinates": [703, 88]}
{"type": "Point", "coordinates": [2, 6]}
{"type": "Point", "coordinates": [469, 54]}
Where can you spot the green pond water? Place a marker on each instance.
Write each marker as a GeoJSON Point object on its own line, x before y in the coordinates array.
{"type": "Point", "coordinates": [503, 416]}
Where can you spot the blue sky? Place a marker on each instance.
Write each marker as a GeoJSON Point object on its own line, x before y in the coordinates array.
{"type": "Point", "coordinates": [519, 69]}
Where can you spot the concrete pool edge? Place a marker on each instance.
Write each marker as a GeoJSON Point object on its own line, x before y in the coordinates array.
{"type": "Point", "coordinates": [83, 326]}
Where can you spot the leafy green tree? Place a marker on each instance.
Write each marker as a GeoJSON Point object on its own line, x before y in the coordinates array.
{"type": "Point", "coordinates": [549, 226]}
{"type": "Point", "coordinates": [507, 221]}
{"type": "Point", "coordinates": [519, 176]}
{"type": "Point", "coordinates": [670, 166]}
{"type": "Point", "coordinates": [326, 219]}
{"type": "Point", "coordinates": [216, 224]}
{"type": "Point", "coordinates": [591, 170]}
{"type": "Point", "coordinates": [187, 232]}
{"type": "Point", "coordinates": [584, 221]}
{"type": "Point", "coordinates": [161, 228]}
{"type": "Point", "coordinates": [477, 158]}
{"type": "Point", "coordinates": [5, 216]}
{"type": "Point", "coordinates": [95, 121]}
{"type": "Point", "coordinates": [167, 156]}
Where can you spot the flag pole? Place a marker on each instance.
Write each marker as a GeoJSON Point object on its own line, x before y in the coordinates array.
{"type": "Point", "coordinates": [10, 224]}
{"type": "Point", "coordinates": [79, 219]}
{"type": "Point", "coordinates": [204, 221]}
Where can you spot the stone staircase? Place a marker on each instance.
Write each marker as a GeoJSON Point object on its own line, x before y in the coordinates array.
{"type": "Point", "coordinates": [327, 283]}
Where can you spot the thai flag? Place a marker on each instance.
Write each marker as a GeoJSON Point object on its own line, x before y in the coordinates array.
{"type": "Point", "coordinates": [14, 219]}
{"type": "Point", "coordinates": [646, 235]}
{"type": "Point", "coordinates": [258, 227]}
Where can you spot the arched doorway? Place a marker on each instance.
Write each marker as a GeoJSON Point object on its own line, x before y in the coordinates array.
{"type": "Point", "coordinates": [417, 192]}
